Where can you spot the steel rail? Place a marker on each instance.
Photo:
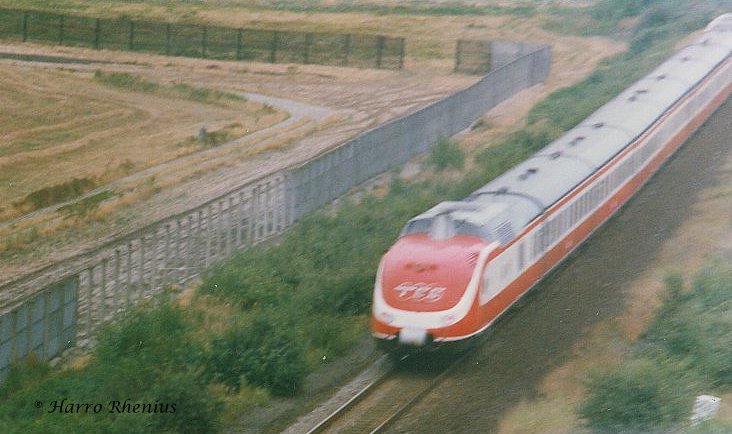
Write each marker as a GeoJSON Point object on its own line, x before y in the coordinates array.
{"type": "Point", "coordinates": [355, 399]}
{"type": "Point", "coordinates": [341, 412]}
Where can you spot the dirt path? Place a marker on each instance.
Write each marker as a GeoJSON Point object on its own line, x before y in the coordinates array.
{"type": "Point", "coordinates": [528, 376]}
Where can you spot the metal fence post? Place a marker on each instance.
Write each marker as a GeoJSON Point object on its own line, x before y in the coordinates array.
{"type": "Point", "coordinates": [28, 330]}
{"type": "Point", "coordinates": [346, 49]}
{"type": "Point", "coordinates": [167, 39]}
{"type": "Point", "coordinates": [46, 338]}
{"type": "Point", "coordinates": [458, 52]}
{"type": "Point", "coordinates": [273, 47]}
{"type": "Point", "coordinates": [117, 278]}
{"type": "Point", "coordinates": [97, 33]}
{"type": "Point", "coordinates": [103, 289]}
{"type": "Point", "coordinates": [204, 41]}
{"type": "Point", "coordinates": [60, 29]}
{"type": "Point", "coordinates": [401, 53]}
{"type": "Point", "coordinates": [132, 36]}
{"type": "Point", "coordinates": [238, 43]}
{"type": "Point", "coordinates": [380, 42]}
{"type": "Point", "coordinates": [154, 249]}
{"type": "Point", "coordinates": [89, 300]}
{"type": "Point", "coordinates": [308, 44]}
{"type": "Point", "coordinates": [25, 26]}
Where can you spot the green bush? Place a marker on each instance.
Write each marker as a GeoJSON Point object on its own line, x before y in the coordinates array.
{"type": "Point", "coordinates": [617, 9]}
{"type": "Point", "coordinates": [686, 349]}
{"type": "Point", "coordinates": [124, 80]}
{"type": "Point", "coordinates": [24, 373]}
{"type": "Point", "coordinates": [246, 280]}
{"type": "Point", "coordinates": [196, 411]}
{"type": "Point", "coordinates": [447, 153]}
{"type": "Point", "coordinates": [696, 325]}
{"type": "Point", "coordinates": [267, 352]}
{"type": "Point", "coordinates": [153, 335]}
{"type": "Point", "coordinates": [640, 395]}
{"type": "Point", "coordinates": [148, 357]}
{"type": "Point", "coordinates": [331, 335]}
{"type": "Point", "coordinates": [48, 196]}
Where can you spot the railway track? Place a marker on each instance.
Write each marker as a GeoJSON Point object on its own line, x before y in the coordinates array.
{"type": "Point", "coordinates": [380, 403]}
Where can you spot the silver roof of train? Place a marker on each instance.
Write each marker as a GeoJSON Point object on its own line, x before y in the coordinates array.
{"type": "Point", "coordinates": [522, 193]}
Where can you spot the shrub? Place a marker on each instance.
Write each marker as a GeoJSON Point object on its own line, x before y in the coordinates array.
{"type": "Point", "coordinates": [330, 335]}
{"type": "Point", "coordinates": [617, 9]}
{"type": "Point", "coordinates": [148, 357]}
{"type": "Point", "coordinates": [246, 280]}
{"type": "Point", "coordinates": [696, 325]}
{"type": "Point", "coordinates": [266, 352]}
{"type": "Point", "coordinates": [446, 153]}
{"type": "Point", "coordinates": [21, 374]}
{"type": "Point", "coordinates": [48, 196]}
{"type": "Point", "coordinates": [86, 205]}
{"type": "Point", "coordinates": [202, 94]}
{"type": "Point", "coordinates": [124, 80]}
{"type": "Point", "coordinates": [158, 336]}
{"type": "Point", "coordinates": [639, 395]}
{"type": "Point", "coordinates": [686, 348]}
{"type": "Point", "coordinates": [196, 410]}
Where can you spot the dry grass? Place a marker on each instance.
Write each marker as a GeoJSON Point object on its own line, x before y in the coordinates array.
{"type": "Point", "coordinates": [60, 125]}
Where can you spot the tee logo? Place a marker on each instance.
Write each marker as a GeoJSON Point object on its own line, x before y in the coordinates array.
{"type": "Point", "coordinates": [421, 292]}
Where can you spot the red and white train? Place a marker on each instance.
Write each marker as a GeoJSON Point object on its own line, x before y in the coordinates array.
{"type": "Point", "coordinates": [456, 267]}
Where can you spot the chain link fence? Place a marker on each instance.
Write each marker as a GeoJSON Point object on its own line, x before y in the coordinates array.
{"type": "Point", "coordinates": [94, 287]}
{"type": "Point", "coordinates": [472, 57]}
{"type": "Point", "coordinates": [211, 42]}
{"type": "Point", "coordinates": [41, 327]}
{"type": "Point", "coordinates": [480, 57]}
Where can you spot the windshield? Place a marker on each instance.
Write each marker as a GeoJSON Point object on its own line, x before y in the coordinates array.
{"type": "Point", "coordinates": [416, 226]}
{"type": "Point", "coordinates": [443, 226]}
{"type": "Point", "coordinates": [464, 227]}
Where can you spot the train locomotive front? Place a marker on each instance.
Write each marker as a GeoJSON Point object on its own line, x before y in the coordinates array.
{"type": "Point", "coordinates": [428, 281]}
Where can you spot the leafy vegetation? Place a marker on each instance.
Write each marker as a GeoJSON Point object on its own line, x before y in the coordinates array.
{"type": "Point", "coordinates": [149, 357]}
{"type": "Point", "coordinates": [127, 81]}
{"type": "Point", "coordinates": [86, 205]}
{"type": "Point", "coordinates": [644, 23]}
{"type": "Point", "coordinates": [202, 94]}
{"type": "Point", "coordinates": [48, 196]}
{"type": "Point", "coordinates": [686, 351]}
{"type": "Point", "coordinates": [446, 153]}
{"type": "Point", "coordinates": [263, 353]}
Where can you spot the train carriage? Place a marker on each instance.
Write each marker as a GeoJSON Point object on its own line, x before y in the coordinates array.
{"type": "Point", "coordinates": [456, 267]}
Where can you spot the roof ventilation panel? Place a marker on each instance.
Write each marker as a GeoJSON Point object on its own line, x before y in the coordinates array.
{"type": "Point", "coordinates": [576, 140]}
{"type": "Point", "coordinates": [529, 172]}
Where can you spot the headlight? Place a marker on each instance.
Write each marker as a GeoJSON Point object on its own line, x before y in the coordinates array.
{"type": "Point", "coordinates": [386, 317]}
{"type": "Point", "coordinates": [448, 319]}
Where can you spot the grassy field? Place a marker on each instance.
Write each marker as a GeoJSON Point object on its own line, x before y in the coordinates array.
{"type": "Point", "coordinates": [60, 126]}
